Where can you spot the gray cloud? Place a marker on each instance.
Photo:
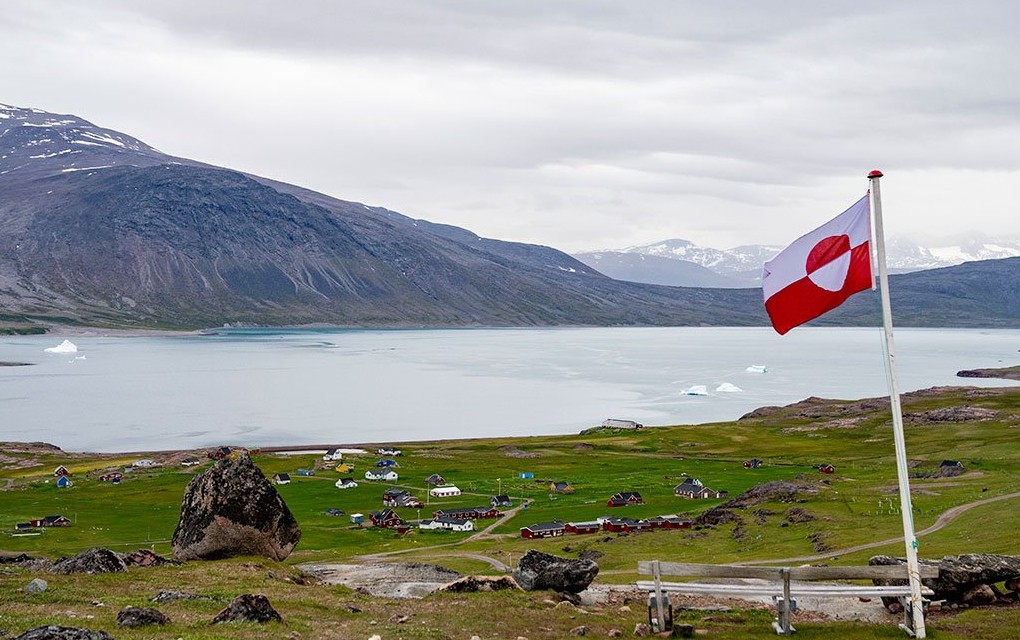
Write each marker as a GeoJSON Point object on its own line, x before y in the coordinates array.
{"type": "Point", "coordinates": [573, 124]}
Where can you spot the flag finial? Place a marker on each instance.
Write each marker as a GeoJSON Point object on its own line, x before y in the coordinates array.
{"type": "Point", "coordinates": [875, 173]}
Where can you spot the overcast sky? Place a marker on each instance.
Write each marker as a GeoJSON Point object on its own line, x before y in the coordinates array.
{"type": "Point", "coordinates": [576, 124]}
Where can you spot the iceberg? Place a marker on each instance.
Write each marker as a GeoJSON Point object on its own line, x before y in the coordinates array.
{"type": "Point", "coordinates": [64, 347]}
{"type": "Point", "coordinates": [696, 390]}
{"type": "Point", "coordinates": [757, 368]}
{"type": "Point", "coordinates": [726, 387]}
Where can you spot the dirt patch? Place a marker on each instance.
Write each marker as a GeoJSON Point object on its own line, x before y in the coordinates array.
{"type": "Point", "coordinates": [390, 580]}
{"type": "Point", "coordinates": [513, 452]}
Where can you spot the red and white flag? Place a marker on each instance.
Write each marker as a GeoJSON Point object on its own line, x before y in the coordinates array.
{"type": "Point", "coordinates": [820, 270]}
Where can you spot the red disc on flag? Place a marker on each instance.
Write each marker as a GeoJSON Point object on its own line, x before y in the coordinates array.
{"type": "Point", "coordinates": [829, 262]}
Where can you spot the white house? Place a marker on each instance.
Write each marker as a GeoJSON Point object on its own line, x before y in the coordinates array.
{"type": "Point", "coordinates": [333, 454]}
{"type": "Point", "coordinates": [381, 474]}
{"type": "Point", "coordinates": [346, 483]}
{"type": "Point", "coordinates": [447, 523]}
{"type": "Point", "coordinates": [444, 492]}
{"type": "Point", "coordinates": [144, 462]}
{"type": "Point", "coordinates": [281, 478]}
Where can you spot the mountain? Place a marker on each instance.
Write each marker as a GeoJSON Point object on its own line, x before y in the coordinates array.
{"type": "Point", "coordinates": [99, 228]}
{"type": "Point", "coordinates": [652, 269]}
{"type": "Point", "coordinates": [741, 266]}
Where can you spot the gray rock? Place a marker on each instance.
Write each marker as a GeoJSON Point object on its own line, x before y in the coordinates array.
{"type": "Point", "coordinates": [91, 561]}
{"type": "Point", "coordinates": [146, 558]}
{"type": "Point", "coordinates": [140, 617]}
{"type": "Point", "coordinates": [536, 570]}
{"type": "Point", "coordinates": [231, 510]}
{"type": "Point", "coordinates": [171, 595]}
{"type": "Point", "coordinates": [249, 607]}
{"type": "Point", "coordinates": [36, 585]}
{"type": "Point", "coordinates": [960, 574]}
{"type": "Point", "coordinates": [54, 632]}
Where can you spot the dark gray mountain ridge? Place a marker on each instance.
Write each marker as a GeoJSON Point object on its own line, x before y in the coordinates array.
{"type": "Point", "coordinates": [98, 228]}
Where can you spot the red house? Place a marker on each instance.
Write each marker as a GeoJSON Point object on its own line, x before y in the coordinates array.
{"type": "Point", "coordinates": [385, 518]}
{"type": "Point", "coordinates": [582, 527]}
{"type": "Point", "coordinates": [543, 530]}
{"type": "Point", "coordinates": [826, 468]}
{"type": "Point", "coordinates": [625, 498]}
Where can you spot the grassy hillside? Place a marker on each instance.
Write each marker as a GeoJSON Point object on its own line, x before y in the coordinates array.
{"type": "Point", "coordinates": [856, 505]}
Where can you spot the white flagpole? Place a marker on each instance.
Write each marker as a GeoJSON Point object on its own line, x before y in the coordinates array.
{"type": "Point", "coordinates": [906, 509]}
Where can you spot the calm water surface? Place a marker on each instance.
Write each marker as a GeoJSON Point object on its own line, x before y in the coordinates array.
{"type": "Point", "coordinates": [260, 388]}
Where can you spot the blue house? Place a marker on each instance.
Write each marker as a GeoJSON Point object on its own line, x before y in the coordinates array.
{"type": "Point", "coordinates": [525, 475]}
{"type": "Point", "coordinates": [63, 482]}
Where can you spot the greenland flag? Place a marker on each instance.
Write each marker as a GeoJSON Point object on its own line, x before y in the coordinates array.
{"type": "Point", "coordinates": [820, 270]}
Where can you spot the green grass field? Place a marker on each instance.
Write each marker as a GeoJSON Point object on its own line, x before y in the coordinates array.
{"type": "Point", "coordinates": [856, 505]}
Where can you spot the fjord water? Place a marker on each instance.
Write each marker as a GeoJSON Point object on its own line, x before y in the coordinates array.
{"type": "Point", "coordinates": [293, 387]}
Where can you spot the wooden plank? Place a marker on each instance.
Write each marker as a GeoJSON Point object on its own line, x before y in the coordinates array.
{"type": "Point", "coordinates": [883, 572]}
{"type": "Point", "coordinates": [776, 589]}
{"type": "Point", "coordinates": [694, 570]}
{"type": "Point", "coordinates": [645, 568]}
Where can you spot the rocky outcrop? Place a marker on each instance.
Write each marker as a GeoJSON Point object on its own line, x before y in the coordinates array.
{"type": "Point", "coordinates": [232, 510]}
{"type": "Point", "coordinates": [249, 607]}
{"type": "Point", "coordinates": [964, 574]}
{"type": "Point", "coordinates": [54, 632]}
{"type": "Point", "coordinates": [536, 570]}
{"type": "Point", "coordinates": [91, 561]}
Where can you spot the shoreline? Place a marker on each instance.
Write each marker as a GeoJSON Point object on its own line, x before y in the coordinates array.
{"type": "Point", "coordinates": [315, 448]}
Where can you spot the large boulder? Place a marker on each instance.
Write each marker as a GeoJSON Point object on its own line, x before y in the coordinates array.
{"type": "Point", "coordinates": [959, 575]}
{"type": "Point", "coordinates": [232, 510]}
{"type": "Point", "coordinates": [536, 570]}
{"type": "Point", "coordinates": [91, 561]}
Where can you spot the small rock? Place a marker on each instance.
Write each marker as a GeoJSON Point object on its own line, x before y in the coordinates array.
{"type": "Point", "coordinates": [642, 629]}
{"type": "Point", "coordinates": [565, 604]}
{"type": "Point", "coordinates": [624, 609]}
{"type": "Point", "coordinates": [352, 609]}
{"type": "Point", "coordinates": [294, 635]}
{"type": "Point", "coordinates": [140, 617]}
{"type": "Point", "coordinates": [683, 631]}
{"type": "Point", "coordinates": [36, 585]}
{"type": "Point", "coordinates": [615, 633]}
{"type": "Point", "coordinates": [580, 631]}
{"type": "Point", "coordinates": [398, 619]}
{"type": "Point", "coordinates": [248, 607]}
{"type": "Point", "coordinates": [979, 595]}
{"type": "Point", "coordinates": [375, 637]}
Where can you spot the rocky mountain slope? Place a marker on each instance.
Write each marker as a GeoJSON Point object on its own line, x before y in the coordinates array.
{"type": "Point", "coordinates": [100, 228]}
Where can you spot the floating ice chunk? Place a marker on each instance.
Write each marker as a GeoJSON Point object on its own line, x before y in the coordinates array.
{"type": "Point", "coordinates": [64, 347]}
{"type": "Point", "coordinates": [726, 387]}
{"type": "Point", "coordinates": [757, 368]}
{"type": "Point", "coordinates": [696, 390]}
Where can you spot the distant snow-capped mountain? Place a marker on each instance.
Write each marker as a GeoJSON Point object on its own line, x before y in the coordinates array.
{"type": "Point", "coordinates": [741, 266]}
